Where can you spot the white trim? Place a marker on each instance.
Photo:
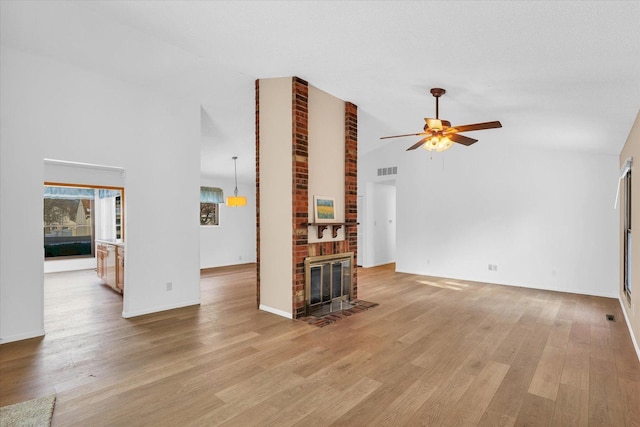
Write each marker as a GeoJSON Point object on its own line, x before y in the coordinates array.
{"type": "Point", "coordinates": [276, 311]}
{"type": "Point", "coordinates": [129, 314]}
{"type": "Point", "coordinates": [56, 162]}
{"type": "Point", "coordinates": [20, 337]}
{"type": "Point", "coordinates": [633, 338]}
{"type": "Point", "coordinates": [623, 171]}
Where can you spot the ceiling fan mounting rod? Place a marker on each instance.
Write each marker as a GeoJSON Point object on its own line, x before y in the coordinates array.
{"type": "Point", "coordinates": [437, 92]}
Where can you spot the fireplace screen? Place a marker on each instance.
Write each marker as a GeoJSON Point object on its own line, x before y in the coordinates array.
{"type": "Point", "coordinates": [328, 283]}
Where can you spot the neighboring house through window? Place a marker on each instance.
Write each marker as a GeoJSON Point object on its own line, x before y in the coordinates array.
{"type": "Point", "coordinates": [68, 221]}
{"type": "Point", "coordinates": [210, 198]}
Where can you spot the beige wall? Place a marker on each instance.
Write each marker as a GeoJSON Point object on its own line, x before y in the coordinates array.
{"type": "Point", "coordinates": [632, 310]}
{"type": "Point", "coordinates": [326, 156]}
{"type": "Point", "coordinates": [276, 216]}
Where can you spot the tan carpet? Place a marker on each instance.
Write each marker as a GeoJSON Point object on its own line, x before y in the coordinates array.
{"type": "Point", "coordinates": [32, 413]}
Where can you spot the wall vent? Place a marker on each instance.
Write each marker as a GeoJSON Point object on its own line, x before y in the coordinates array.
{"type": "Point", "coordinates": [392, 170]}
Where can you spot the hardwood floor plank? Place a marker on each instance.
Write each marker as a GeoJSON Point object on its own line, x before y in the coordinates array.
{"type": "Point", "coordinates": [496, 419]}
{"type": "Point", "coordinates": [405, 405]}
{"type": "Point", "coordinates": [630, 400]}
{"type": "Point", "coordinates": [572, 407]}
{"type": "Point", "coordinates": [514, 388]}
{"type": "Point", "coordinates": [560, 332]}
{"type": "Point", "coordinates": [605, 394]}
{"type": "Point", "coordinates": [473, 403]}
{"type": "Point", "coordinates": [438, 406]}
{"type": "Point", "coordinates": [575, 371]}
{"type": "Point", "coordinates": [328, 410]}
{"type": "Point", "coordinates": [546, 379]}
{"type": "Point", "coordinates": [535, 411]}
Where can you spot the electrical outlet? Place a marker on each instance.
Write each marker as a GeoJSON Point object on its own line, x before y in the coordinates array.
{"type": "Point", "coordinates": [169, 286]}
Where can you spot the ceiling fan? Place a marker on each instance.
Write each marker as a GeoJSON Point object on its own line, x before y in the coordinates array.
{"type": "Point", "coordinates": [439, 135]}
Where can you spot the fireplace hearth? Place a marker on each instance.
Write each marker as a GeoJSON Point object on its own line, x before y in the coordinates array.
{"type": "Point", "coordinates": [328, 280]}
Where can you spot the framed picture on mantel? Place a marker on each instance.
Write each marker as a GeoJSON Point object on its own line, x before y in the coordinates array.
{"type": "Point", "coordinates": [324, 209]}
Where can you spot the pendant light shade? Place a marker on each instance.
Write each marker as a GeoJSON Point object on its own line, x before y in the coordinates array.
{"type": "Point", "coordinates": [235, 200]}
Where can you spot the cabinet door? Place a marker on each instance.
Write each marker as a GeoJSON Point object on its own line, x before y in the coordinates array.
{"type": "Point", "coordinates": [120, 270]}
{"type": "Point", "coordinates": [101, 256]}
{"type": "Point", "coordinates": [111, 266]}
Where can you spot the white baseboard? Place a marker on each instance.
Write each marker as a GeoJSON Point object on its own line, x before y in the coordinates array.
{"type": "Point", "coordinates": [633, 338]}
{"type": "Point", "coordinates": [276, 311]}
{"type": "Point", "coordinates": [129, 314]}
{"type": "Point", "coordinates": [20, 337]}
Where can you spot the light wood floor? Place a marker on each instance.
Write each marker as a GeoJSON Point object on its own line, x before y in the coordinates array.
{"type": "Point", "coordinates": [435, 352]}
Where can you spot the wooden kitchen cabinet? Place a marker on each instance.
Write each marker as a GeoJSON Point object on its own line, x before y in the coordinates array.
{"type": "Point", "coordinates": [110, 264]}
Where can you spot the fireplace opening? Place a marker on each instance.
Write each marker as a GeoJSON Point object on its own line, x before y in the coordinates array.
{"type": "Point", "coordinates": [328, 281]}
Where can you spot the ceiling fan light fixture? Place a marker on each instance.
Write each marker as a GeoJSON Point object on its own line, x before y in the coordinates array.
{"type": "Point", "coordinates": [438, 144]}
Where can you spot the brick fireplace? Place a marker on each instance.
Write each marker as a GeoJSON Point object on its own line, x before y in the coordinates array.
{"type": "Point", "coordinates": [305, 240]}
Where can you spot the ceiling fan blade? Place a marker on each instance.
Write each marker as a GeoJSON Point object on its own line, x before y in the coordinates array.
{"type": "Point", "coordinates": [478, 126]}
{"type": "Point", "coordinates": [418, 144]}
{"type": "Point", "coordinates": [401, 136]}
{"type": "Point", "coordinates": [446, 123]}
{"type": "Point", "coordinates": [461, 139]}
{"type": "Point", "coordinates": [434, 123]}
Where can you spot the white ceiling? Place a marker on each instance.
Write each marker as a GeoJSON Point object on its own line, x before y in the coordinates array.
{"type": "Point", "coordinates": [558, 75]}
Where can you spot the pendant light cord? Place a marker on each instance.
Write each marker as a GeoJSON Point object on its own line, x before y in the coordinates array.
{"type": "Point", "coordinates": [235, 173]}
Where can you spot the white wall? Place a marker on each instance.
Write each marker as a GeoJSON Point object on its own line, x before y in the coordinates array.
{"type": "Point", "coordinates": [234, 240]}
{"type": "Point", "coordinates": [276, 200]}
{"type": "Point", "coordinates": [52, 110]}
{"type": "Point", "coordinates": [545, 218]}
{"type": "Point", "coordinates": [326, 157]}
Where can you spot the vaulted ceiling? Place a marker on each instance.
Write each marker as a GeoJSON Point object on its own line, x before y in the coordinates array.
{"type": "Point", "coordinates": [559, 75]}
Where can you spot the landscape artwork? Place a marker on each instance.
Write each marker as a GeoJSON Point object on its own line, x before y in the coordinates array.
{"type": "Point", "coordinates": [324, 209]}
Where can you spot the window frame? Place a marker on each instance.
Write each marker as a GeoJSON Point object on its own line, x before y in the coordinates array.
{"type": "Point", "coordinates": [210, 199]}
{"type": "Point", "coordinates": [626, 281]}
{"type": "Point", "coordinates": [93, 212]}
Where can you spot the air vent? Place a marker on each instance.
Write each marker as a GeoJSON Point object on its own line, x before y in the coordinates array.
{"type": "Point", "coordinates": [392, 170]}
{"type": "Point", "coordinates": [611, 318]}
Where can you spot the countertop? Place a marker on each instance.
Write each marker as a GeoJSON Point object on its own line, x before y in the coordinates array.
{"type": "Point", "coordinates": [114, 242]}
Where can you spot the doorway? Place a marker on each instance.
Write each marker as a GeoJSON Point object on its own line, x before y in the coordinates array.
{"type": "Point", "coordinates": [379, 240]}
{"type": "Point", "coordinates": [100, 207]}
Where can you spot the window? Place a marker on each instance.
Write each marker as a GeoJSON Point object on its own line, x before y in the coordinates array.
{"type": "Point", "coordinates": [210, 198]}
{"type": "Point", "coordinates": [75, 215]}
{"type": "Point", "coordinates": [626, 287]}
{"type": "Point", "coordinates": [68, 221]}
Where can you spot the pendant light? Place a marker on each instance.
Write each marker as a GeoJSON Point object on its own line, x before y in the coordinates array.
{"type": "Point", "coordinates": [235, 200]}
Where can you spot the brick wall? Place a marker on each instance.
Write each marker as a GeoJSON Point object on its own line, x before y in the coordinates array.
{"type": "Point", "coordinates": [351, 187]}
{"type": "Point", "coordinates": [257, 193]}
{"type": "Point", "coordinates": [300, 177]}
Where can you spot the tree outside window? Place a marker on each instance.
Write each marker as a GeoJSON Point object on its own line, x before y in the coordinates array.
{"type": "Point", "coordinates": [210, 199]}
